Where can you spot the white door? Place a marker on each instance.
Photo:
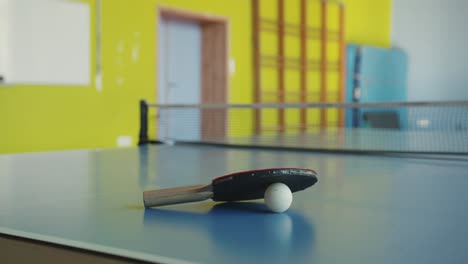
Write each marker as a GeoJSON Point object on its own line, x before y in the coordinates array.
{"type": "Point", "coordinates": [179, 79]}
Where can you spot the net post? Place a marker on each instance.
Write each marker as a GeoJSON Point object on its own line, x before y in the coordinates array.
{"type": "Point", "coordinates": [143, 137]}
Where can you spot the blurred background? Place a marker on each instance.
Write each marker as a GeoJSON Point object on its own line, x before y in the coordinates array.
{"type": "Point", "coordinates": [72, 73]}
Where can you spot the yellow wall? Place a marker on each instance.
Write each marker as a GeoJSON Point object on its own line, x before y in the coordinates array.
{"type": "Point", "coordinates": [39, 118]}
{"type": "Point", "coordinates": [368, 22]}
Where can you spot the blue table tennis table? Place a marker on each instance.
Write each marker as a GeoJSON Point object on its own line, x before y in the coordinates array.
{"type": "Point", "coordinates": [86, 205]}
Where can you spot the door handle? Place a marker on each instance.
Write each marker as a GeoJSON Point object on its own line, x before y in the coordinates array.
{"type": "Point", "coordinates": [172, 84]}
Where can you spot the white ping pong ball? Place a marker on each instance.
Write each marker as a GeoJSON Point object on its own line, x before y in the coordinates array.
{"type": "Point", "coordinates": [278, 197]}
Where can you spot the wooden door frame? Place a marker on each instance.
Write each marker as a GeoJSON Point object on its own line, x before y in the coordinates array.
{"type": "Point", "coordinates": [214, 66]}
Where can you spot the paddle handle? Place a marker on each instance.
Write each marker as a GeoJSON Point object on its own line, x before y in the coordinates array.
{"type": "Point", "coordinates": [177, 195]}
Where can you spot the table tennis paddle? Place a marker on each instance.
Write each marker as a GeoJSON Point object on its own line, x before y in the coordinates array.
{"type": "Point", "coordinates": [246, 185]}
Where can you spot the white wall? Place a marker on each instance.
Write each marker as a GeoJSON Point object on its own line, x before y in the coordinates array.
{"type": "Point", "coordinates": [434, 33]}
{"type": "Point", "coordinates": [45, 42]}
{"type": "Point", "coordinates": [4, 32]}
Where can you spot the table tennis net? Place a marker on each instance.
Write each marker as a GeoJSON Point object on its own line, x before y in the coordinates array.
{"type": "Point", "coordinates": [413, 127]}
